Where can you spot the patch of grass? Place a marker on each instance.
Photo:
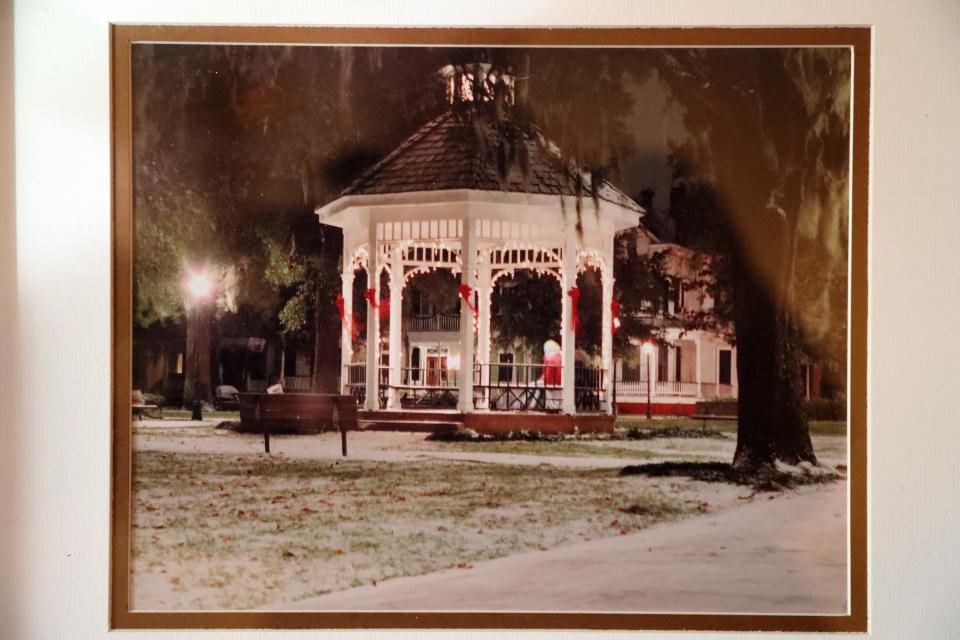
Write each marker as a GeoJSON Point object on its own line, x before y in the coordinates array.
{"type": "Point", "coordinates": [668, 423]}
{"type": "Point", "coordinates": [627, 422]}
{"type": "Point", "coordinates": [565, 448]}
{"type": "Point", "coordinates": [218, 531]}
{"type": "Point", "coordinates": [637, 433]}
{"type": "Point", "coordinates": [828, 427]}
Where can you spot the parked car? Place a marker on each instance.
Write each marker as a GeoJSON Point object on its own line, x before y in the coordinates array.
{"type": "Point", "coordinates": [226, 398]}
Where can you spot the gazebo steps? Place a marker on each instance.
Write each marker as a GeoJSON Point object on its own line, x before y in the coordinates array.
{"type": "Point", "coordinates": [484, 422]}
{"type": "Point", "coordinates": [418, 421]}
{"type": "Point", "coordinates": [409, 425]}
{"type": "Point", "coordinates": [536, 422]}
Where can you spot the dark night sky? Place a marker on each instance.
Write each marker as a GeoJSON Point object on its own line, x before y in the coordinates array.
{"type": "Point", "coordinates": [216, 109]}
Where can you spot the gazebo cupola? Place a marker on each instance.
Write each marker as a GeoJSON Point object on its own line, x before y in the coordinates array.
{"type": "Point", "coordinates": [478, 82]}
{"type": "Point", "coordinates": [443, 200]}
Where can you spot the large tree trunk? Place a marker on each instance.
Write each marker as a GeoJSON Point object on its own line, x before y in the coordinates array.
{"type": "Point", "coordinates": [326, 343]}
{"type": "Point", "coordinates": [198, 356]}
{"type": "Point", "coordinates": [772, 422]}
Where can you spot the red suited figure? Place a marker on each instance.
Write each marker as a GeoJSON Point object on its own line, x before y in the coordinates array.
{"type": "Point", "coordinates": [552, 363]}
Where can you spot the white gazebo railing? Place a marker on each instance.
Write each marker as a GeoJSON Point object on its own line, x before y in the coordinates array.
{"type": "Point", "coordinates": [513, 387]}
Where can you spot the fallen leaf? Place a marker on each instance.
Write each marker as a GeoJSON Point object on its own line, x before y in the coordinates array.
{"type": "Point", "coordinates": [226, 538]}
{"type": "Point", "coordinates": [373, 582]}
{"type": "Point", "coordinates": [175, 580]}
{"type": "Point", "coordinates": [308, 510]}
{"type": "Point", "coordinates": [338, 552]}
{"type": "Point", "coordinates": [623, 532]}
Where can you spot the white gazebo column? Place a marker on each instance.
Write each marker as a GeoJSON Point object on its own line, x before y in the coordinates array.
{"type": "Point", "coordinates": [483, 327]}
{"type": "Point", "coordinates": [568, 398]}
{"type": "Point", "coordinates": [606, 338]}
{"type": "Point", "coordinates": [396, 316]}
{"type": "Point", "coordinates": [468, 253]}
{"type": "Point", "coordinates": [373, 322]}
{"type": "Point", "coordinates": [346, 326]}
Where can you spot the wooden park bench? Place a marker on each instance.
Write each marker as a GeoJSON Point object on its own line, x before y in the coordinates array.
{"type": "Point", "coordinates": [303, 413]}
{"type": "Point", "coordinates": [145, 411]}
{"type": "Point", "coordinates": [723, 411]}
{"type": "Point", "coordinates": [142, 409]}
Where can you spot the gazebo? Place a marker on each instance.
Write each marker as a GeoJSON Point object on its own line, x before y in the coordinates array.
{"type": "Point", "coordinates": [438, 201]}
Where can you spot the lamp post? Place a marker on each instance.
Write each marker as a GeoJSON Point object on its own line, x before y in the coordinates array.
{"type": "Point", "coordinates": [199, 286]}
{"type": "Point", "coordinates": [647, 351]}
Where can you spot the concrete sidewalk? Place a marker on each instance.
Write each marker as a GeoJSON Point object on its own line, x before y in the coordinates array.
{"type": "Point", "coordinates": [782, 555]}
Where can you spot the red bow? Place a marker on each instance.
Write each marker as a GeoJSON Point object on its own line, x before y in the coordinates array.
{"type": "Point", "coordinates": [574, 293]}
{"type": "Point", "coordinates": [371, 296]}
{"type": "Point", "coordinates": [615, 312]}
{"type": "Point", "coordinates": [466, 293]}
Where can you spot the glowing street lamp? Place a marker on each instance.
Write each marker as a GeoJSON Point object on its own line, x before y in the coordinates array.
{"type": "Point", "coordinates": [648, 351]}
{"type": "Point", "coordinates": [199, 287]}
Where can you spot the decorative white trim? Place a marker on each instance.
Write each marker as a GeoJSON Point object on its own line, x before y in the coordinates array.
{"type": "Point", "coordinates": [619, 217]}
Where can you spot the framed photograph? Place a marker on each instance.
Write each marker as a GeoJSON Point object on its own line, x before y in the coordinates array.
{"type": "Point", "coordinates": [490, 328]}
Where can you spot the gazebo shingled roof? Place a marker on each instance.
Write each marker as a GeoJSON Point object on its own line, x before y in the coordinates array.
{"type": "Point", "coordinates": [445, 154]}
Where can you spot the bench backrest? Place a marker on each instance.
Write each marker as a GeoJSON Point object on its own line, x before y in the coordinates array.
{"type": "Point", "coordinates": [288, 412]}
{"type": "Point", "coordinates": [716, 408]}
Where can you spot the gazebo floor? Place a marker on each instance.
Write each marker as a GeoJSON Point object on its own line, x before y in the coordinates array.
{"type": "Point", "coordinates": [432, 421]}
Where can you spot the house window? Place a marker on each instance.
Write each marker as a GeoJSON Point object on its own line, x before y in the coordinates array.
{"type": "Point", "coordinates": [725, 366]}
{"type": "Point", "coordinates": [678, 300]}
{"type": "Point", "coordinates": [663, 363]}
{"type": "Point", "coordinates": [179, 369]}
{"type": "Point", "coordinates": [504, 371]}
{"type": "Point", "coordinates": [633, 372]}
{"type": "Point", "coordinates": [415, 364]}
